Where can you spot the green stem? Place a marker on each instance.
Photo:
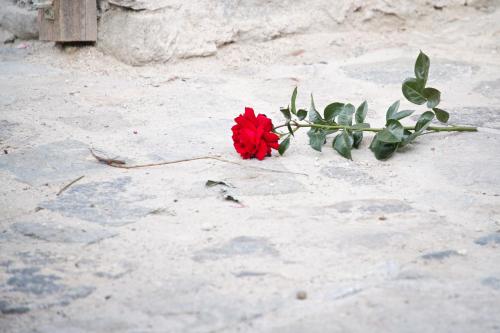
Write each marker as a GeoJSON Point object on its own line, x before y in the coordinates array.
{"type": "Point", "coordinates": [293, 123]}
{"type": "Point", "coordinates": [450, 129]}
{"type": "Point", "coordinates": [412, 128]}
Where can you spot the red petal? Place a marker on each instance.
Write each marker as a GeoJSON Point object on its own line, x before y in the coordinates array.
{"type": "Point", "coordinates": [245, 122]}
{"type": "Point", "coordinates": [264, 122]}
{"type": "Point", "coordinates": [271, 137]}
{"type": "Point", "coordinates": [274, 145]}
{"type": "Point", "coordinates": [250, 114]}
{"type": "Point", "coordinates": [262, 151]}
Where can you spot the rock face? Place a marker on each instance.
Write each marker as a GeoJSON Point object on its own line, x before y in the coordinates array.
{"type": "Point", "coordinates": [19, 21]}
{"type": "Point", "coordinates": [6, 36]}
{"type": "Point", "coordinates": [25, 3]}
{"type": "Point", "coordinates": [143, 31]}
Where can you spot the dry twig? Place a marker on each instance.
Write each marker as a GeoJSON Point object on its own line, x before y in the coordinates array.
{"type": "Point", "coordinates": [68, 185]}
{"type": "Point", "coordinates": [108, 161]}
{"type": "Point", "coordinates": [122, 165]}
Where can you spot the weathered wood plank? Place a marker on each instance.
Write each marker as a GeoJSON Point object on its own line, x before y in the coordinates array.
{"type": "Point", "coordinates": [74, 20]}
{"type": "Point", "coordinates": [46, 29]}
{"type": "Point", "coordinates": [91, 20]}
{"type": "Point", "coordinates": [49, 29]}
{"type": "Point", "coordinates": [70, 29]}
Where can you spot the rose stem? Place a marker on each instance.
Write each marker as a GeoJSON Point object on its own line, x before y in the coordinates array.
{"type": "Point", "coordinates": [430, 128]}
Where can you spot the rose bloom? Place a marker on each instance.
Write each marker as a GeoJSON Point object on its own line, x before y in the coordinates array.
{"type": "Point", "coordinates": [253, 135]}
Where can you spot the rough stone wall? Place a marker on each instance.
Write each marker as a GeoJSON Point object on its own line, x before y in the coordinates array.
{"type": "Point", "coordinates": [25, 4]}
{"type": "Point", "coordinates": [17, 20]}
{"type": "Point", "coordinates": [143, 31]}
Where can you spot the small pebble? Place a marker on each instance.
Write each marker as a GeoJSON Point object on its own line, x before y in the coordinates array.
{"type": "Point", "coordinates": [302, 295]}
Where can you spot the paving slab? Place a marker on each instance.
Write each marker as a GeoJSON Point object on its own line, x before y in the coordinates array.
{"type": "Point", "coordinates": [59, 160]}
{"type": "Point", "coordinates": [61, 233]}
{"type": "Point", "coordinates": [314, 242]}
{"type": "Point", "coordinates": [104, 203]}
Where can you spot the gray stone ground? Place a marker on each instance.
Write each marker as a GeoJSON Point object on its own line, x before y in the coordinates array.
{"type": "Point", "coordinates": [408, 245]}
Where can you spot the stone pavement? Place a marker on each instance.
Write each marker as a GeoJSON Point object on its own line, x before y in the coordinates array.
{"type": "Point", "coordinates": [410, 244]}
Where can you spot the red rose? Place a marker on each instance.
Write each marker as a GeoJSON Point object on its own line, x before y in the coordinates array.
{"type": "Point", "coordinates": [252, 135]}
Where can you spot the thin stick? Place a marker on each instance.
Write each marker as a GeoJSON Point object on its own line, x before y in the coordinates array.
{"type": "Point", "coordinates": [108, 161]}
{"type": "Point", "coordinates": [122, 165]}
{"type": "Point", "coordinates": [68, 185]}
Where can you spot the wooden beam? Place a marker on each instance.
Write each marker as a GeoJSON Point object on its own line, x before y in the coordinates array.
{"type": "Point", "coordinates": [73, 21]}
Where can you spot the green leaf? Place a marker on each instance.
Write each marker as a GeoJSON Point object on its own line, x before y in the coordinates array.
{"type": "Point", "coordinates": [422, 68]}
{"type": "Point", "coordinates": [212, 183]}
{"type": "Point", "coordinates": [392, 110]}
{"type": "Point", "coordinates": [433, 97]}
{"type": "Point", "coordinates": [286, 113]}
{"type": "Point", "coordinates": [382, 150]}
{"type": "Point", "coordinates": [360, 126]}
{"type": "Point", "coordinates": [393, 133]}
{"type": "Point", "coordinates": [284, 145]}
{"type": "Point", "coordinates": [290, 130]}
{"type": "Point", "coordinates": [314, 116]}
{"type": "Point", "coordinates": [357, 138]}
{"type": "Point", "coordinates": [412, 90]}
{"type": "Point", "coordinates": [294, 98]}
{"type": "Point", "coordinates": [301, 114]}
{"type": "Point", "coordinates": [361, 112]}
{"type": "Point", "coordinates": [358, 135]}
{"type": "Point", "coordinates": [345, 116]}
{"type": "Point", "coordinates": [406, 135]}
{"type": "Point", "coordinates": [401, 114]}
{"type": "Point", "coordinates": [424, 121]}
{"type": "Point", "coordinates": [333, 110]}
{"type": "Point", "coordinates": [343, 144]}
{"type": "Point", "coordinates": [229, 197]}
{"type": "Point", "coordinates": [441, 115]}
{"type": "Point", "coordinates": [317, 138]}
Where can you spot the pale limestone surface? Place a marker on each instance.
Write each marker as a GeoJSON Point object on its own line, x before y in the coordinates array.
{"type": "Point", "coordinates": [6, 36]}
{"type": "Point", "coordinates": [19, 21]}
{"type": "Point", "coordinates": [143, 31]}
{"type": "Point", "coordinates": [406, 245]}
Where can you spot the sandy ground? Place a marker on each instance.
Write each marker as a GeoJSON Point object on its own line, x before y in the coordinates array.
{"type": "Point", "coordinates": [410, 244]}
